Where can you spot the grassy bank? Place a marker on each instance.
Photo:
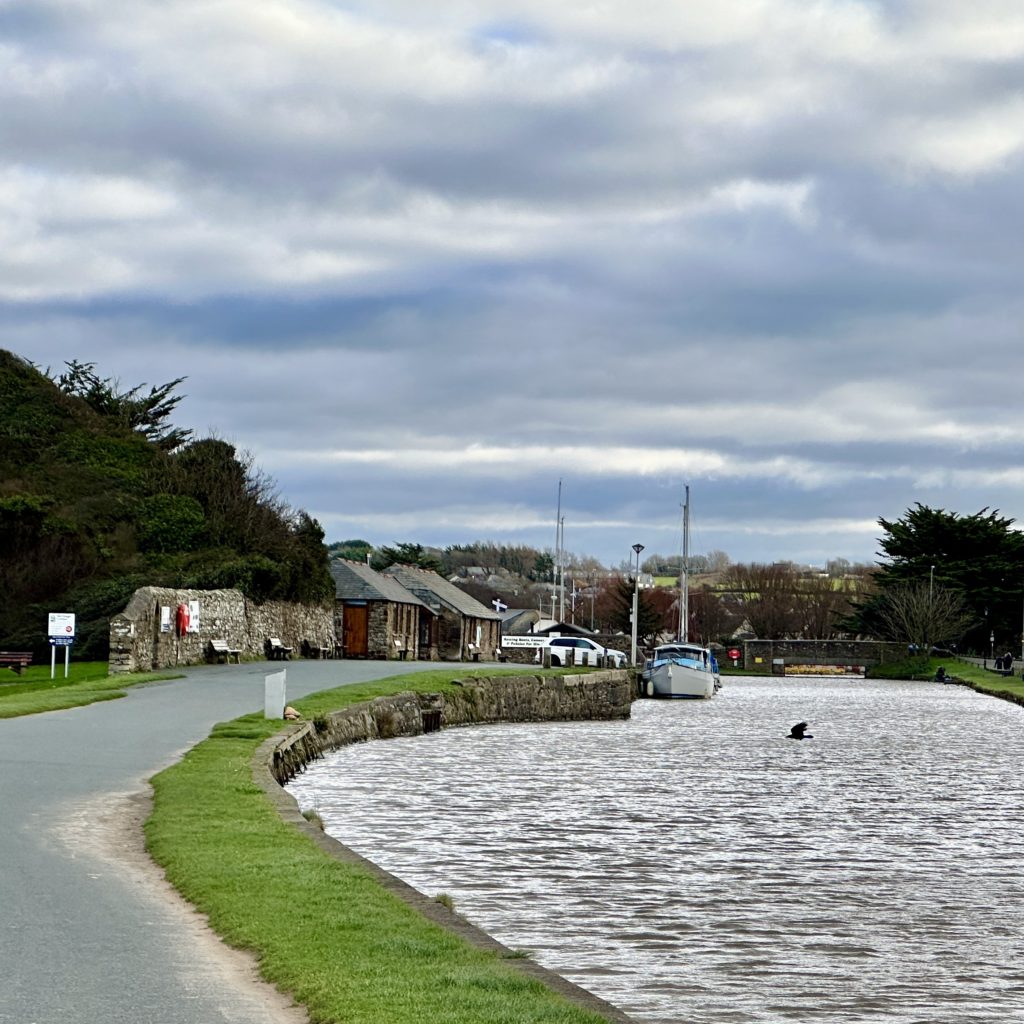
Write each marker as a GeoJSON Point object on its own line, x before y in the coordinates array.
{"type": "Point", "coordinates": [323, 931]}
{"type": "Point", "coordinates": [982, 679]}
{"type": "Point", "coordinates": [34, 691]}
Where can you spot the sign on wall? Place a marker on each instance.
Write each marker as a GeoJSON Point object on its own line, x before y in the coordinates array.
{"type": "Point", "coordinates": [524, 641]}
{"type": "Point", "coordinates": [165, 618]}
{"type": "Point", "coordinates": [193, 617]}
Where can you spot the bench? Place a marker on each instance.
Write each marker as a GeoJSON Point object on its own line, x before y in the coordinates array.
{"type": "Point", "coordinates": [223, 653]}
{"type": "Point", "coordinates": [15, 660]}
{"type": "Point", "coordinates": [400, 649]}
{"type": "Point", "coordinates": [313, 649]}
{"type": "Point", "coordinates": [276, 650]}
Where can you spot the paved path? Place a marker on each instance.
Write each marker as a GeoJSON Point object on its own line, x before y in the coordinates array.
{"type": "Point", "coordinates": [89, 931]}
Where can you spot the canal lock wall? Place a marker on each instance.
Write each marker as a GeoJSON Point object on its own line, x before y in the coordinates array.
{"type": "Point", "coordinates": [595, 696]}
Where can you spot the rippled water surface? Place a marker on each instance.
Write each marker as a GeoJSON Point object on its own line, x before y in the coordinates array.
{"type": "Point", "coordinates": [694, 865]}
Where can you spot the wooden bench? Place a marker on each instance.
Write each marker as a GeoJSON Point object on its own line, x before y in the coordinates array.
{"type": "Point", "coordinates": [400, 649]}
{"type": "Point", "coordinates": [223, 653]}
{"type": "Point", "coordinates": [313, 649]}
{"type": "Point", "coordinates": [277, 651]}
{"type": "Point", "coordinates": [15, 660]}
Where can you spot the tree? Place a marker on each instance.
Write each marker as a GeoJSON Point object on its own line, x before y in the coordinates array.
{"type": "Point", "coordinates": [354, 550]}
{"type": "Point", "coordinates": [407, 553]}
{"type": "Point", "coordinates": [710, 618]}
{"type": "Point", "coordinates": [819, 604]}
{"type": "Point", "coordinates": [617, 607]}
{"type": "Point", "coordinates": [980, 557]}
{"type": "Point", "coordinates": [146, 413]}
{"type": "Point", "coordinates": [765, 597]}
{"type": "Point", "coordinates": [543, 566]}
{"type": "Point", "coordinates": [923, 614]}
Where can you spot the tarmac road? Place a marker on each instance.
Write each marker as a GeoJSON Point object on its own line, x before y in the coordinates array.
{"type": "Point", "coordinates": [90, 933]}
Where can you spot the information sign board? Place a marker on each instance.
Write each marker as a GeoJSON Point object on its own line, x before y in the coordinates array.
{"type": "Point", "coordinates": [61, 624]}
{"type": "Point", "coordinates": [524, 641]}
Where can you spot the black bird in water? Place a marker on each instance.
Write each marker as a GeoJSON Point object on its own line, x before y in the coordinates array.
{"type": "Point", "coordinates": [797, 732]}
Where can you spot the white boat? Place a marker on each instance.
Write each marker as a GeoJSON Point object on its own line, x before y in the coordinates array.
{"type": "Point", "coordinates": [682, 669]}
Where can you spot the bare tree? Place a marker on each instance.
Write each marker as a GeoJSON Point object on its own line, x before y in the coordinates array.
{"type": "Point", "coordinates": [764, 595]}
{"type": "Point", "coordinates": [921, 614]}
{"type": "Point", "coordinates": [819, 602]}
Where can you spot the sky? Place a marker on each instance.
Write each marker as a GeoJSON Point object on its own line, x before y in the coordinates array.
{"type": "Point", "coordinates": [424, 261]}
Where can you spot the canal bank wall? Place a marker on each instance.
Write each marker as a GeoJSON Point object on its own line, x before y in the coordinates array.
{"type": "Point", "coordinates": [595, 696]}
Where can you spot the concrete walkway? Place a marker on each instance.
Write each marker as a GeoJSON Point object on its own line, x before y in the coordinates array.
{"type": "Point", "coordinates": [89, 931]}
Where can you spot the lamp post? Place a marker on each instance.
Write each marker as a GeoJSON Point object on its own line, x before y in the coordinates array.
{"type": "Point", "coordinates": [636, 602]}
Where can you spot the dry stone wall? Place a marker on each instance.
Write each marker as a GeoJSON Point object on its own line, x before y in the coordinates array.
{"type": "Point", "coordinates": [145, 636]}
{"type": "Point", "coordinates": [595, 696]}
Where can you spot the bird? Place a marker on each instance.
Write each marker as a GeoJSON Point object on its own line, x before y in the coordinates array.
{"type": "Point", "coordinates": [797, 732]}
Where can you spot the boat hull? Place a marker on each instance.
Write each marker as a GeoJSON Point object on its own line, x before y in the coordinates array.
{"type": "Point", "coordinates": [681, 681]}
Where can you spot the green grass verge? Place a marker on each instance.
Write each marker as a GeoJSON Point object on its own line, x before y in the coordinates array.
{"type": "Point", "coordinates": [324, 931]}
{"type": "Point", "coordinates": [34, 691]}
{"type": "Point", "coordinates": [979, 678]}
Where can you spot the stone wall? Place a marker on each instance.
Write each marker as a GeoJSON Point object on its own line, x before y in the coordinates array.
{"type": "Point", "coordinates": [596, 696]}
{"type": "Point", "coordinates": [770, 656]}
{"type": "Point", "coordinates": [139, 643]}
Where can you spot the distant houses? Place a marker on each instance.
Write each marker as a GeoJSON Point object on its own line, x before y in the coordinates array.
{"type": "Point", "coordinates": [409, 613]}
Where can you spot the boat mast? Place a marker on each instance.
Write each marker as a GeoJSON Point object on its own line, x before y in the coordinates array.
{"type": "Point", "coordinates": [557, 578]}
{"type": "Point", "coordinates": [684, 574]}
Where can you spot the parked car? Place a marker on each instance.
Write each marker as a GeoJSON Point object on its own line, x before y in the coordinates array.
{"type": "Point", "coordinates": [585, 652]}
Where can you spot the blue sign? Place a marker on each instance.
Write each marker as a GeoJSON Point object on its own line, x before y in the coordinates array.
{"type": "Point", "coordinates": [61, 641]}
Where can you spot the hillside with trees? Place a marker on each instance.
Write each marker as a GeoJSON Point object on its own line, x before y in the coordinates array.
{"type": "Point", "coordinates": [100, 494]}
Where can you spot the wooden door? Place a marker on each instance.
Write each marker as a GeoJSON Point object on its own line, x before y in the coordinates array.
{"type": "Point", "coordinates": [356, 636]}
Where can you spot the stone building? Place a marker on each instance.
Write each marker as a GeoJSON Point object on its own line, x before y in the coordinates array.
{"type": "Point", "coordinates": [374, 615]}
{"type": "Point", "coordinates": [458, 627]}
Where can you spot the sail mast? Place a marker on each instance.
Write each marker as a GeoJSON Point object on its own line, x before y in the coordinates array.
{"type": "Point", "coordinates": [684, 574]}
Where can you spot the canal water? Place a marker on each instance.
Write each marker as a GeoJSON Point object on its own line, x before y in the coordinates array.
{"type": "Point", "coordinates": [694, 865]}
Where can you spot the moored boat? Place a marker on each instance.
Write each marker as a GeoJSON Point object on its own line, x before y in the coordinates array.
{"type": "Point", "coordinates": [681, 669]}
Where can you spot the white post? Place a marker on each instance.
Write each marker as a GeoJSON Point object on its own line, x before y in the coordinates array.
{"type": "Point", "coordinates": [634, 616]}
{"type": "Point", "coordinates": [67, 653]}
{"type": "Point", "coordinates": [274, 694]}
{"type": "Point", "coordinates": [53, 660]}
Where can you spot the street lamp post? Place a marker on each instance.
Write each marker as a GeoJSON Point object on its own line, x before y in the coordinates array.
{"type": "Point", "coordinates": [636, 602]}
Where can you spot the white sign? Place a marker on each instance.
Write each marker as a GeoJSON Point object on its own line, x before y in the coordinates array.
{"type": "Point", "coordinates": [193, 616]}
{"type": "Point", "coordinates": [61, 624]}
{"type": "Point", "coordinates": [165, 619]}
{"type": "Point", "coordinates": [274, 695]}
{"type": "Point", "coordinates": [524, 641]}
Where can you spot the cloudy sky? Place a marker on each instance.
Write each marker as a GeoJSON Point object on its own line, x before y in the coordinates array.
{"type": "Point", "coordinates": [425, 260]}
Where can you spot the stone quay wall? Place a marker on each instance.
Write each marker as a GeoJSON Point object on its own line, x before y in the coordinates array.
{"type": "Point", "coordinates": [143, 638]}
{"type": "Point", "coordinates": [594, 696]}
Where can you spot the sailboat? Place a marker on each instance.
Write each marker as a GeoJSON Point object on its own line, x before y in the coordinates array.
{"type": "Point", "coordinates": [682, 669]}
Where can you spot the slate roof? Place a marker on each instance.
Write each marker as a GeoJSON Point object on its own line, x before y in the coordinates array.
{"type": "Point", "coordinates": [356, 581]}
{"type": "Point", "coordinates": [425, 584]}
